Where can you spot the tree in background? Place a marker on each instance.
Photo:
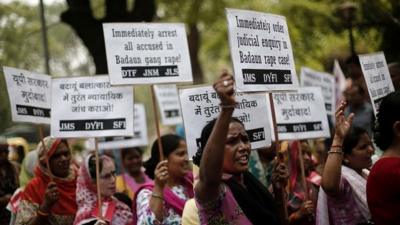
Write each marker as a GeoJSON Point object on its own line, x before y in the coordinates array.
{"type": "Point", "coordinates": [384, 17]}
{"type": "Point", "coordinates": [80, 17]}
{"type": "Point", "coordinates": [21, 47]}
{"type": "Point", "coordinates": [317, 34]}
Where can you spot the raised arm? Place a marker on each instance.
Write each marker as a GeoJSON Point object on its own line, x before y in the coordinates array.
{"type": "Point", "coordinates": [211, 163]}
{"type": "Point", "coordinates": [44, 210]}
{"type": "Point", "coordinates": [332, 171]}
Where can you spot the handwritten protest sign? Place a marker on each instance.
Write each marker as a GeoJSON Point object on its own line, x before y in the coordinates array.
{"type": "Point", "coordinates": [301, 114]}
{"type": "Point", "coordinates": [147, 53]}
{"type": "Point", "coordinates": [377, 77]}
{"type": "Point", "coordinates": [90, 107]}
{"type": "Point", "coordinates": [201, 105]}
{"type": "Point", "coordinates": [313, 78]}
{"type": "Point", "coordinates": [30, 95]}
{"type": "Point", "coordinates": [261, 51]}
{"type": "Point", "coordinates": [168, 103]}
{"type": "Point", "coordinates": [139, 138]}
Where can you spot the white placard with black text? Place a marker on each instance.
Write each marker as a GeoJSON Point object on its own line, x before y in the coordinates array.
{"type": "Point", "coordinates": [30, 95]}
{"type": "Point", "coordinates": [326, 81]}
{"type": "Point", "coordinates": [377, 77]}
{"type": "Point", "coordinates": [168, 103]}
{"type": "Point", "coordinates": [90, 107]}
{"type": "Point", "coordinates": [261, 51]}
{"type": "Point", "coordinates": [139, 138]}
{"type": "Point", "coordinates": [201, 105]}
{"type": "Point", "coordinates": [301, 114]}
{"type": "Point", "coordinates": [147, 53]}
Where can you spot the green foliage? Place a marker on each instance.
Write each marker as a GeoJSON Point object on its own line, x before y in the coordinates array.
{"type": "Point", "coordinates": [317, 35]}
{"type": "Point", "coordinates": [21, 46]}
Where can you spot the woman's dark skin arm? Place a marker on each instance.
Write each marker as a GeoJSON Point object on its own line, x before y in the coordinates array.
{"type": "Point", "coordinates": [280, 176]}
{"type": "Point", "coordinates": [207, 188]}
{"type": "Point", "coordinates": [161, 177]}
{"type": "Point", "coordinates": [51, 197]}
{"type": "Point", "coordinates": [333, 170]}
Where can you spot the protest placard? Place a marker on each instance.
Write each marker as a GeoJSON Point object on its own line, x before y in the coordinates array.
{"type": "Point", "coordinates": [90, 107]}
{"type": "Point", "coordinates": [377, 77]}
{"type": "Point", "coordinates": [139, 138]}
{"type": "Point", "coordinates": [313, 78]}
{"type": "Point", "coordinates": [147, 53]}
{"type": "Point", "coordinates": [200, 105]}
{"type": "Point", "coordinates": [168, 103]}
{"type": "Point", "coordinates": [261, 51]}
{"type": "Point", "coordinates": [340, 82]}
{"type": "Point", "coordinates": [30, 95]}
{"type": "Point", "coordinates": [301, 114]}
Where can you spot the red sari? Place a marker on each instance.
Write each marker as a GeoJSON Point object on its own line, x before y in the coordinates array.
{"type": "Point", "coordinates": [63, 211]}
{"type": "Point", "coordinates": [383, 191]}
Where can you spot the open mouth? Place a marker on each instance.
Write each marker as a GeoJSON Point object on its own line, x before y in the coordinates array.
{"type": "Point", "coordinates": [184, 168]}
{"type": "Point", "coordinates": [369, 162]}
{"type": "Point", "coordinates": [244, 159]}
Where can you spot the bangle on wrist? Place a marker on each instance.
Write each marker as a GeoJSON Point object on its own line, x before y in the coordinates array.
{"type": "Point", "coordinates": [157, 196]}
{"type": "Point", "coordinates": [41, 213]}
{"type": "Point", "coordinates": [336, 151]}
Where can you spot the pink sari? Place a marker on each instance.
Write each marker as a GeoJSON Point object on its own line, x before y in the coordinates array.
{"type": "Point", "coordinates": [132, 183]}
{"type": "Point", "coordinates": [171, 200]}
{"type": "Point", "coordinates": [355, 208]}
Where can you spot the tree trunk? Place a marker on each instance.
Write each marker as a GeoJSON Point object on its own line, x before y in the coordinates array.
{"type": "Point", "coordinates": [194, 47]}
{"type": "Point", "coordinates": [89, 29]}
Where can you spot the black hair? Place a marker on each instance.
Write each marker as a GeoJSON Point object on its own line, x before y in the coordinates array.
{"type": "Point", "coordinates": [92, 166]}
{"type": "Point", "coordinates": [352, 138]}
{"type": "Point", "coordinates": [170, 143]}
{"type": "Point", "coordinates": [353, 59]}
{"type": "Point", "coordinates": [122, 197]}
{"type": "Point", "coordinates": [4, 147]}
{"type": "Point", "coordinates": [125, 151]}
{"type": "Point", "coordinates": [205, 134]}
{"type": "Point", "coordinates": [21, 153]}
{"type": "Point", "coordinates": [388, 114]}
{"type": "Point", "coordinates": [360, 90]}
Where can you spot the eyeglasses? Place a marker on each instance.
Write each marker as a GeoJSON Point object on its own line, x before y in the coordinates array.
{"type": "Point", "coordinates": [108, 176]}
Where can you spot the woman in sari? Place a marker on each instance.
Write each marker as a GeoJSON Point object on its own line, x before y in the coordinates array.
{"type": "Point", "coordinates": [383, 186]}
{"type": "Point", "coordinates": [133, 176]}
{"type": "Point", "coordinates": [162, 202]}
{"type": "Point", "coordinates": [49, 198]}
{"type": "Point", "coordinates": [226, 192]}
{"type": "Point", "coordinates": [342, 199]}
{"type": "Point", "coordinates": [114, 212]}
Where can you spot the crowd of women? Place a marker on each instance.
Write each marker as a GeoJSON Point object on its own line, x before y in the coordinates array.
{"type": "Point", "coordinates": [231, 184]}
